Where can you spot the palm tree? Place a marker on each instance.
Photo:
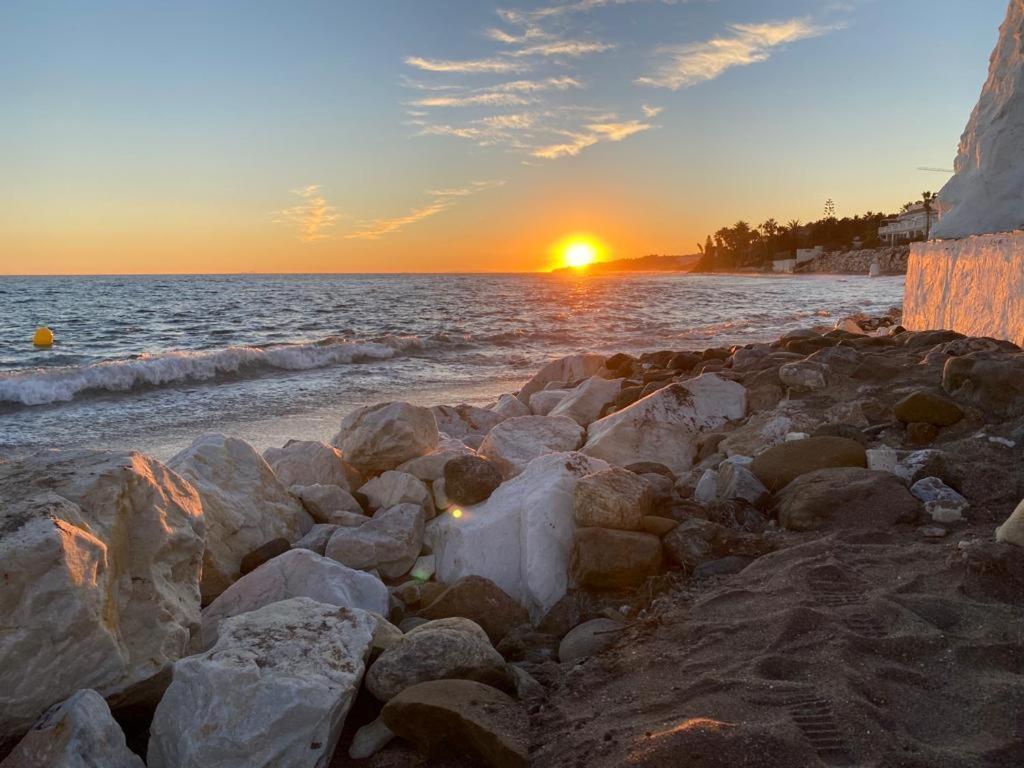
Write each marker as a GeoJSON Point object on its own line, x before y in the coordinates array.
{"type": "Point", "coordinates": [927, 198]}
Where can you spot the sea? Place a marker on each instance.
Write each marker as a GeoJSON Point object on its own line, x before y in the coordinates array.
{"type": "Point", "coordinates": [152, 362]}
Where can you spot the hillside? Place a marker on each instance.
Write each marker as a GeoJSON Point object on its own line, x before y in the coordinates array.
{"type": "Point", "coordinates": [652, 263]}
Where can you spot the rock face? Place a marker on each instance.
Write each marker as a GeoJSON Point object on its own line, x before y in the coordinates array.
{"type": "Point", "coordinates": [589, 639]}
{"type": "Point", "coordinates": [393, 488]}
{"type": "Point", "coordinates": [273, 691]}
{"type": "Point", "coordinates": [380, 437]}
{"type": "Point", "coordinates": [665, 425]}
{"type": "Point", "coordinates": [482, 601]}
{"type": "Point", "coordinates": [608, 559]}
{"type": "Point", "coordinates": [846, 497]}
{"type": "Point", "coordinates": [585, 403]}
{"type": "Point", "coordinates": [464, 719]}
{"type": "Point", "coordinates": [390, 541]}
{"type": "Point", "coordinates": [244, 505]}
{"type": "Point", "coordinates": [566, 369]}
{"type": "Point", "coordinates": [298, 573]}
{"type": "Point", "coordinates": [783, 463]}
{"type": "Point", "coordinates": [516, 442]}
{"type": "Point", "coordinates": [928, 407]}
{"type": "Point", "coordinates": [322, 501]}
{"type": "Point", "coordinates": [444, 648]}
{"type": "Point", "coordinates": [100, 557]}
{"type": "Point", "coordinates": [984, 195]}
{"type": "Point", "coordinates": [521, 538]}
{"type": "Point", "coordinates": [77, 733]}
{"type": "Point", "coordinates": [992, 382]}
{"type": "Point", "coordinates": [614, 498]}
{"type": "Point", "coordinates": [470, 479]}
{"type": "Point", "coordinates": [1012, 530]}
{"type": "Point", "coordinates": [465, 421]}
{"type": "Point", "coordinates": [307, 462]}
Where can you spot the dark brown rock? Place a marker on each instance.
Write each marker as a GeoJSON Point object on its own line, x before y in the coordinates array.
{"type": "Point", "coordinates": [262, 554]}
{"type": "Point", "coordinates": [783, 463]}
{"type": "Point", "coordinates": [608, 559]}
{"type": "Point", "coordinates": [470, 479]}
{"type": "Point", "coordinates": [695, 541]}
{"type": "Point", "coordinates": [657, 525]}
{"type": "Point", "coordinates": [480, 600]}
{"type": "Point", "coordinates": [461, 718]}
{"type": "Point", "coordinates": [846, 497]}
{"type": "Point", "coordinates": [920, 433]}
{"type": "Point", "coordinates": [928, 407]}
{"type": "Point", "coordinates": [993, 382]}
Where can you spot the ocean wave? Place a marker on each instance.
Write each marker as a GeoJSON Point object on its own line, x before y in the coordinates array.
{"type": "Point", "coordinates": [51, 385]}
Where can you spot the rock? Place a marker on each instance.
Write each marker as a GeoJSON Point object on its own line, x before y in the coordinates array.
{"type": "Point", "coordinates": [571, 368]}
{"type": "Point", "coordinates": [389, 542]}
{"type": "Point", "coordinates": [736, 481]}
{"type": "Point", "coordinates": [77, 733]}
{"type": "Point", "coordinates": [380, 437]}
{"type": "Point", "coordinates": [521, 538]}
{"type": "Point", "coordinates": [804, 376]}
{"type": "Point", "coordinates": [317, 538]}
{"type": "Point", "coordinates": [587, 402]}
{"type": "Point", "coordinates": [346, 519]}
{"type": "Point", "coordinates": [706, 492]}
{"type": "Point", "coordinates": [307, 462]}
{"type": "Point", "coordinates": [524, 643]}
{"type": "Point", "coordinates": [589, 639]}
{"type": "Point", "coordinates": [928, 407]}
{"type": "Point", "coordinates": [370, 739]}
{"type": "Point", "coordinates": [845, 497]}
{"type": "Point", "coordinates": [100, 559]}
{"type": "Point", "coordinates": [244, 505]}
{"type": "Point", "coordinates": [612, 559]}
{"type": "Point", "coordinates": [393, 488]}
{"type": "Point", "coordinates": [783, 463]}
{"type": "Point", "coordinates": [321, 501]}
{"type": "Point", "coordinates": [848, 431]}
{"type": "Point", "coordinates": [424, 568]}
{"type": "Point", "coordinates": [612, 498]}
{"type": "Point", "coordinates": [942, 503]}
{"type": "Point", "coordinates": [840, 360]}
{"type": "Point", "coordinates": [725, 566]}
{"type": "Point", "coordinates": [273, 691]}
{"type": "Point", "coordinates": [992, 382]}
{"type": "Point", "coordinates": [542, 403]}
{"type": "Point", "coordinates": [470, 479]}
{"type": "Point", "coordinates": [516, 442]}
{"type": "Point", "coordinates": [651, 468]}
{"type": "Point", "coordinates": [464, 421]}
{"type": "Point", "coordinates": [659, 526]}
{"type": "Point", "coordinates": [510, 407]}
{"type": "Point", "coordinates": [441, 500]}
{"type": "Point", "coordinates": [298, 573]}
{"type": "Point", "coordinates": [464, 719]}
{"type": "Point", "coordinates": [482, 601]}
{"type": "Point", "coordinates": [430, 468]}
{"type": "Point", "coordinates": [1012, 529]}
{"type": "Point", "coordinates": [664, 426]}
{"type": "Point", "coordinates": [919, 433]}
{"type": "Point", "coordinates": [262, 554]}
{"type": "Point", "coordinates": [436, 650]}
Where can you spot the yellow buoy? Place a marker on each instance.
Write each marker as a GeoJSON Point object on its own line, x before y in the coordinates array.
{"type": "Point", "coordinates": [43, 337]}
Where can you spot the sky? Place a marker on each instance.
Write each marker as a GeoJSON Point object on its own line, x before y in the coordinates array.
{"type": "Point", "coordinates": [460, 135]}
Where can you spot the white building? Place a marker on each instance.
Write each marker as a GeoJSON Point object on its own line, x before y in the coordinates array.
{"type": "Point", "coordinates": [806, 254]}
{"type": "Point", "coordinates": [911, 224]}
{"type": "Point", "coordinates": [783, 265]}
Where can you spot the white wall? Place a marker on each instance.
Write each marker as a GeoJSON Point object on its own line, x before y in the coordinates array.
{"type": "Point", "coordinates": [974, 286]}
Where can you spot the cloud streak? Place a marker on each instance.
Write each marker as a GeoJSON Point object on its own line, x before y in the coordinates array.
{"type": "Point", "coordinates": [467, 66]}
{"type": "Point", "coordinates": [693, 63]}
{"type": "Point", "coordinates": [443, 200]}
{"type": "Point", "coordinates": [311, 217]}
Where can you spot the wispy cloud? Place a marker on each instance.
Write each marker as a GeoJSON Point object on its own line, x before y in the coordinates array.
{"type": "Point", "coordinates": [694, 63]}
{"type": "Point", "coordinates": [443, 200]}
{"type": "Point", "coordinates": [510, 16]}
{"type": "Point", "coordinates": [651, 111]}
{"type": "Point", "coordinates": [491, 99]}
{"type": "Point", "coordinates": [574, 48]}
{"type": "Point", "coordinates": [311, 217]}
{"type": "Point", "coordinates": [576, 141]}
{"type": "Point", "coordinates": [467, 66]}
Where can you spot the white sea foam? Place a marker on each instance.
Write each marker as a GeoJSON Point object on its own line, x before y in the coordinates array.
{"type": "Point", "coordinates": [42, 386]}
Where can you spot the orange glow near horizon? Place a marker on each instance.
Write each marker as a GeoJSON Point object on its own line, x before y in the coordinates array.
{"type": "Point", "coordinates": [577, 251]}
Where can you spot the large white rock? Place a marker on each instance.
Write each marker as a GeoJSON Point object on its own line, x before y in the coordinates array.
{"type": "Point", "coordinates": [543, 402]}
{"type": "Point", "coordinates": [974, 286]}
{"type": "Point", "coordinates": [322, 501]}
{"type": "Point", "coordinates": [296, 573]}
{"type": "Point", "coordinates": [77, 733]}
{"type": "Point", "coordinates": [380, 437]}
{"type": "Point", "coordinates": [274, 691]}
{"type": "Point", "coordinates": [307, 462]}
{"type": "Point", "coordinates": [516, 442]}
{"type": "Point", "coordinates": [521, 537]}
{"type": "Point", "coordinates": [393, 488]}
{"type": "Point", "coordinates": [100, 557]}
{"type": "Point", "coordinates": [985, 194]}
{"type": "Point", "coordinates": [244, 505]}
{"type": "Point", "coordinates": [430, 467]}
{"type": "Point", "coordinates": [568, 369]}
{"type": "Point", "coordinates": [389, 542]}
{"type": "Point", "coordinates": [510, 406]}
{"type": "Point", "coordinates": [462, 421]}
{"type": "Point", "coordinates": [664, 426]}
{"type": "Point", "coordinates": [586, 402]}
{"type": "Point", "coordinates": [1012, 529]}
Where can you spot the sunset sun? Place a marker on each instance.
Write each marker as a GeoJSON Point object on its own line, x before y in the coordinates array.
{"type": "Point", "coordinates": [577, 251]}
{"type": "Point", "coordinates": [580, 255]}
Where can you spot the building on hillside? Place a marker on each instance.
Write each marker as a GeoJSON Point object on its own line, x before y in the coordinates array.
{"type": "Point", "coordinates": [912, 224]}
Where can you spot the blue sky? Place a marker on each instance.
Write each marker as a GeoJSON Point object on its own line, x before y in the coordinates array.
{"type": "Point", "coordinates": [458, 134]}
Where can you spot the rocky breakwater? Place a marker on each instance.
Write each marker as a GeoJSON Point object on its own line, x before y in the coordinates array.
{"type": "Point", "coordinates": [890, 260]}
{"type": "Point", "coordinates": [435, 579]}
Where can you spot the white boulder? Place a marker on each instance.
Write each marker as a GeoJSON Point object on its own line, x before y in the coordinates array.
{"type": "Point", "coordinates": [296, 573]}
{"type": "Point", "coordinates": [1012, 529]}
{"type": "Point", "coordinates": [244, 505]}
{"type": "Point", "coordinates": [389, 542]}
{"type": "Point", "coordinates": [322, 501]}
{"type": "Point", "coordinates": [804, 375]}
{"type": "Point", "coordinates": [585, 403]}
{"type": "Point", "coordinates": [521, 537]}
{"type": "Point", "coordinates": [516, 442]}
{"type": "Point", "coordinates": [77, 733]}
{"type": "Point", "coordinates": [510, 406]}
{"type": "Point", "coordinates": [430, 467]}
{"type": "Point", "coordinates": [100, 558]}
{"type": "Point", "coordinates": [393, 488]}
{"type": "Point", "coordinates": [462, 421]}
{"type": "Point", "coordinates": [568, 369]}
{"type": "Point", "coordinates": [308, 462]}
{"type": "Point", "coordinates": [380, 437]}
{"type": "Point", "coordinates": [706, 492]}
{"type": "Point", "coordinates": [274, 691]}
{"type": "Point", "coordinates": [543, 402]}
{"type": "Point", "coordinates": [664, 426]}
